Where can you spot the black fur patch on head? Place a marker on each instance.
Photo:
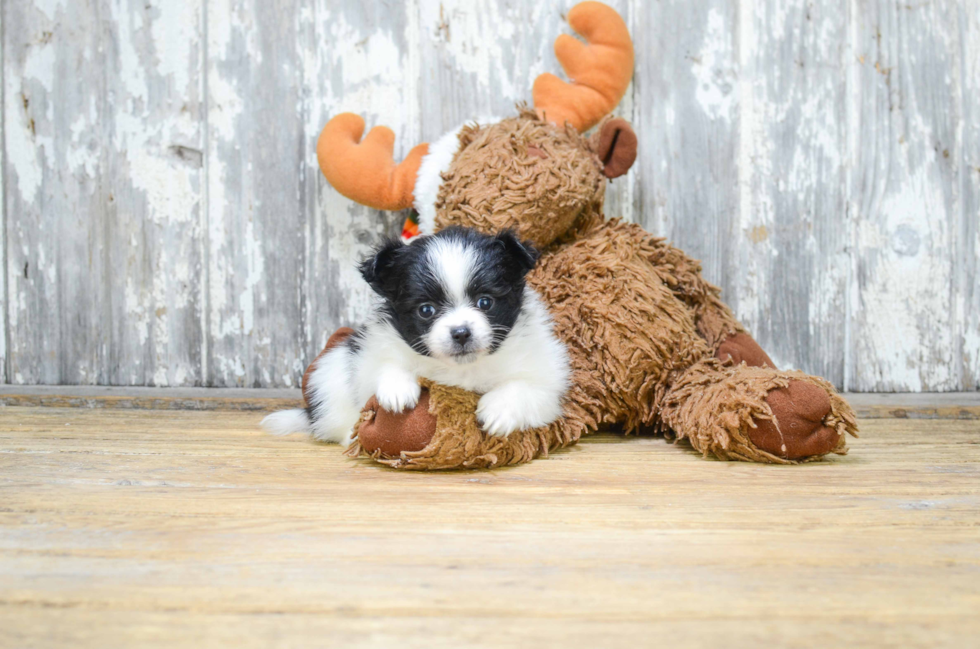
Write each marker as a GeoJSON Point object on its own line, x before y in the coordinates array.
{"type": "Point", "coordinates": [522, 253]}
{"type": "Point", "coordinates": [400, 275]}
{"type": "Point", "coordinates": [376, 269]}
{"type": "Point", "coordinates": [505, 261]}
{"type": "Point", "coordinates": [403, 275]}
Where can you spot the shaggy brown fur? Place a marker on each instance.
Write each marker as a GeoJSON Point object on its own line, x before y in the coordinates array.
{"type": "Point", "coordinates": [496, 183]}
{"type": "Point", "coordinates": [458, 441]}
{"type": "Point", "coordinates": [641, 324]}
{"type": "Point", "coordinates": [716, 407]}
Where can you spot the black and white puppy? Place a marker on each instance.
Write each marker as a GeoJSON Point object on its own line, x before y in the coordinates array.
{"type": "Point", "coordinates": [455, 309]}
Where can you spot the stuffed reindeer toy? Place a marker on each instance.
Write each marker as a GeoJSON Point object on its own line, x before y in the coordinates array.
{"type": "Point", "coordinates": [651, 346]}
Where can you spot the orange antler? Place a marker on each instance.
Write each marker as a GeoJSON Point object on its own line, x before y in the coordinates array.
{"type": "Point", "coordinates": [600, 71]}
{"type": "Point", "coordinates": [365, 171]}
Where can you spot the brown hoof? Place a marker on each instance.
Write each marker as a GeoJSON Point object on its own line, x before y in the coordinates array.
{"type": "Point", "coordinates": [393, 433]}
{"type": "Point", "coordinates": [742, 347]}
{"type": "Point", "coordinates": [799, 409]}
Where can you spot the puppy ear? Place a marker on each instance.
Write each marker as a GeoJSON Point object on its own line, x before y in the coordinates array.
{"type": "Point", "coordinates": [523, 252]}
{"type": "Point", "coordinates": [376, 269]}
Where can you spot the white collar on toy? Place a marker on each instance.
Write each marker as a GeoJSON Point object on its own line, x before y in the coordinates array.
{"type": "Point", "coordinates": [429, 179]}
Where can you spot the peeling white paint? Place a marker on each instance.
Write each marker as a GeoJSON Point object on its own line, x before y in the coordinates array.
{"type": "Point", "coordinates": [749, 302]}
{"type": "Point", "coordinates": [478, 36]}
{"type": "Point", "coordinates": [171, 197]}
{"type": "Point", "coordinates": [173, 32]}
{"type": "Point", "coordinates": [23, 153]}
{"type": "Point", "coordinates": [135, 310]}
{"type": "Point", "coordinates": [371, 75]}
{"type": "Point", "coordinates": [906, 200]}
{"type": "Point", "coordinates": [903, 197]}
{"type": "Point", "coordinates": [909, 296]}
{"type": "Point", "coordinates": [255, 263]}
{"type": "Point", "coordinates": [39, 64]}
{"type": "Point", "coordinates": [227, 107]}
{"type": "Point", "coordinates": [48, 7]}
{"type": "Point", "coordinates": [132, 73]}
{"type": "Point", "coordinates": [717, 79]}
{"type": "Point", "coordinates": [24, 98]}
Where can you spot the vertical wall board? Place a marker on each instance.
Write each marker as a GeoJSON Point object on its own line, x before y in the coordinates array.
{"type": "Point", "coordinates": [152, 187]}
{"type": "Point", "coordinates": [479, 59]}
{"type": "Point", "coordinates": [904, 194]}
{"type": "Point", "coordinates": [257, 146]}
{"type": "Point", "coordinates": [101, 112]}
{"type": "Point", "coordinates": [365, 61]}
{"type": "Point", "coordinates": [4, 331]}
{"type": "Point", "coordinates": [54, 162]}
{"type": "Point", "coordinates": [967, 236]}
{"type": "Point", "coordinates": [686, 104]}
{"type": "Point", "coordinates": [791, 242]}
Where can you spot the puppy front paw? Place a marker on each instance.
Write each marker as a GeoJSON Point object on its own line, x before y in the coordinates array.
{"type": "Point", "coordinates": [397, 393]}
{"type": "Point", "coordinates": [512, 408]}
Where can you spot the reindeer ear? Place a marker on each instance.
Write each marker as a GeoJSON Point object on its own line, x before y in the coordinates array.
{"type": "Point", "coordinates": [615, 144]}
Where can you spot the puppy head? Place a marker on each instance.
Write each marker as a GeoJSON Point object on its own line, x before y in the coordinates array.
{"type": "Point", "coordinates": [454, 295]}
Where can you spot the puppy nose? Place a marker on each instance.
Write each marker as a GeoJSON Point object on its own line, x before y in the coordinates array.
{"type": "Point", "coordinates": [460, 335]}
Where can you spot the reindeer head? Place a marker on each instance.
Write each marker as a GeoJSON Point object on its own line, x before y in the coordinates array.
{"type": "Point", "coordinates": [535, 173]}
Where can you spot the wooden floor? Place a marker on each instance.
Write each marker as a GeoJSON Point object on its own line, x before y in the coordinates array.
{"type": "Point", "coordinates": [190, 529]}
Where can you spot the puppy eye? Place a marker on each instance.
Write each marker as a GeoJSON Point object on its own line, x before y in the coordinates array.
{"type": "Point", "coordinates": [484, 303]}
{"type": "Point", "coordinates": [427, 311]}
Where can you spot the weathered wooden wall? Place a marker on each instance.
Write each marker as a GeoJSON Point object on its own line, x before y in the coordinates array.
{"type": "Point", "coordinates": [165, 222]}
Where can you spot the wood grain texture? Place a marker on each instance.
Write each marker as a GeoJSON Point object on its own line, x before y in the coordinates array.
{"type": "Point", "coordinates": [123, 527]}
{"type": "Point", "coordinates": [144, 398]}
{"type": "Point", "coordinates": [929, 405]}
{"type": "Point", "coordinates": [687, 114]}
{"type": "Point", "coordinates": [904, 194]}
{"type": "Point", "coordinates": [103, 144]}
{"type": "Point", "coordinates": [153, 130]}
{"type": "Point", "coordinates": [4, 329]}
{"type": "Point", "coordinates": [54, 159]}
{"type": "Point", "coordinates": [791, 244]}
{"type": "Point", "coordinates": [256, 194]}
{"type": "Point", "coordinates": [966, 237]}
{"type": "Point", "coordinates": [165, 222]}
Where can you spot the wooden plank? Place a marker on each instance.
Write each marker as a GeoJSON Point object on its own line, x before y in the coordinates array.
{"type": "Point", "coordinates": [54, 156]}
{"type": "Point", "coordinates": [479, 59]}
{"type": "Point", "coordinates": [153, 189]}
{"type": "Point", "coordinates": [365, 60]}
{"type": "Point", "coordinates": [4, 330]}
{"type": "Point", "coordinates": [354, 629]}
{"type": "Point", "coordinates": [966, 239]}
{"type": "Point", "coordinates": [791, 243]}
{"type": "Point", "coordinates": [904, 195]}
{"type": "Point", "coordinates": [257, 193]}
{"type": "Point", "coordinates": [926, 405]}
{"type": "Point", "coordinates": [687, 114]}
{"type": "Point", "coordinates": [930, 405]}
{"type": "Point", "coordinates": [197, 528]}
{"type": "Point", "coordinates": [102, 117]}
{"type": "Point", "coordinates": [51, 396]}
